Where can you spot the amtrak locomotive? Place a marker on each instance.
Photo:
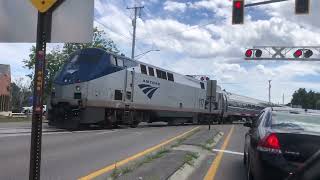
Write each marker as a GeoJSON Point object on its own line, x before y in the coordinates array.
{"type": "Point", "coordinates": [102, 88]}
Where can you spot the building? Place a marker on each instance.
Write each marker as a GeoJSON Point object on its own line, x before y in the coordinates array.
{"type": "Point", "coordinates": [5, 83]}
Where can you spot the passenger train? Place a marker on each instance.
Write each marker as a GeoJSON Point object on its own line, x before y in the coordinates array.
{"type": "Point", "coordinates": [102, 88]}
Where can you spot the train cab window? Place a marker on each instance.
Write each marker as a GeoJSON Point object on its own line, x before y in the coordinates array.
{"type": "Point", "coordinates": [170, 77]}
{"type": "Point", "coordinates": [120, 62]}
{"type": "Point", "coordinates": [151, 71]}
{"type": "Point", "coordinates": [113, 60]}
{"type": "Point", "coordinates": [143, 69]}
{"type": "Point", "coordinates": [202, 85]}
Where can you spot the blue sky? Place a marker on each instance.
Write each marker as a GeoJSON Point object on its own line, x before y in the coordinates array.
{"type": "Point", "coordinates": [196, 37]}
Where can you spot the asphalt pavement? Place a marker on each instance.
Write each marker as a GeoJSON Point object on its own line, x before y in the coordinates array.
{"type": "Point", "coordinates": [70, 155]}
{"type": "Point", "coordinates": [231, 166]}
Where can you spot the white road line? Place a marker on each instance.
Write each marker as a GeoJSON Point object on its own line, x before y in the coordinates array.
{"type": "Point", "coordinates": [57, 132]}
{"type": "Point", "coordinates": [228, 152]}
{"type": "Point", "coordinates": [29, 133]}
{"type": "Point", "coordinates": [87, 131]}
{"type": "Point", "coordinates": [105, 132]}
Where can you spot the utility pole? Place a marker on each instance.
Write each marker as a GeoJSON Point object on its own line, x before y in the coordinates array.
{"type": "Point", "coordinates": [269, 91]}
{"type": "Point", "coordinates": [283, 98]}
{"type": "Point", "coordinates": [137, 10]}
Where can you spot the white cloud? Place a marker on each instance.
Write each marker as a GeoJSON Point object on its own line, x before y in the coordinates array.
{"type": "Point", "coordinates": [174, 6]}
{"type": "Point", "coordinates": [219, 7]}
{"type": "Point", "coordinates": [216, 49]}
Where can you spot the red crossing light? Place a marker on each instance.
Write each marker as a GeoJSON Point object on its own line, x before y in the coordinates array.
{"type": "Point", "coordinates": [249, 53]}
{"type": "Point", "coordinates": [298, 53]}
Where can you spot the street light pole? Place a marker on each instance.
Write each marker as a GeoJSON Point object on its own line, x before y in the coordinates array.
{"type": "Point", "coordinates": [269, 92]}
{"type": "Point", "coordinates": [134, 25]}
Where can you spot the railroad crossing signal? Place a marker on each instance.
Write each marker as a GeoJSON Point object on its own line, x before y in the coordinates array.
{"type": "Point", "coordinates": [302, 53]}
{"type": "Point", "coordinates": [237, 11]}
{"type": "Point", "coordinates": [302, 6]}
{"type": "Point", "coordinates": [43, 5]}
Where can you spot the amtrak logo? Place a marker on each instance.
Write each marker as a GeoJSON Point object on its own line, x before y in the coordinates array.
{"type": "Point", "coordinates": [148, 89]}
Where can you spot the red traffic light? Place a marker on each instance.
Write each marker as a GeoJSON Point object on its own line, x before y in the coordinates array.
{"type": "Point", "coordinates": [238, 4]}
{"type": "Point", "coordinates": [249, 53]}
{"type": "Point", "coordinates": [298, 53]}
{"type": "Point", "coordinates": [237, 11]}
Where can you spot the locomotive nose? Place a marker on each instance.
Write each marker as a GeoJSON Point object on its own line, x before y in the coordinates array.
{"type": "Point", "coordinates": [68, 92]}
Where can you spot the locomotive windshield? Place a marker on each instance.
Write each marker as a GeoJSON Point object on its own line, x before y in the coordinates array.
{"type": "Point", "coordinates": [86, 65]}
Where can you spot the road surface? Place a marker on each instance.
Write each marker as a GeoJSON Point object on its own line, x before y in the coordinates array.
{"type": "Point", "coordinates": [231, 166]}
{"type": "Point", "coordinates": [70, 155]}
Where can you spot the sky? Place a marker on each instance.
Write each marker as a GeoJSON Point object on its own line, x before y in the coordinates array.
{"type": "Point", "coordinates": [196, 37]}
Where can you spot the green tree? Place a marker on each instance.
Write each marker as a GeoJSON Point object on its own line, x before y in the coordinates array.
{"type": "Point", "coordinates": [57, 56]}
{"type": "Point", "coordinates": [20, 94]}
{"type": "Point", "coordinates": [308, 100]}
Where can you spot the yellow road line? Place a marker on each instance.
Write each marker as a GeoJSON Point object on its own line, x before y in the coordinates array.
{"type": "Point", "coordinates": [131, 158]}
{"type": "Point", "coordinates": [215, 164]}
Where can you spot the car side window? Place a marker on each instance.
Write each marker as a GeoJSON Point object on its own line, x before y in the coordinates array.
{"type": "Point", "coordinates": [267, 122]}
{"type": "Point", "coordinates": [259, 119]}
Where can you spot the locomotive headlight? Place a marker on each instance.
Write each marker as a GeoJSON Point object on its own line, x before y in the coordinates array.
{"type": "Point", "coordinates": [78, 88]}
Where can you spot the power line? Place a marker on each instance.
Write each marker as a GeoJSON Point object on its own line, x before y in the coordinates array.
{"type": "Point", "coordinates": [123, 35]}
{"type": "Point", "coordinates": [127, 37]}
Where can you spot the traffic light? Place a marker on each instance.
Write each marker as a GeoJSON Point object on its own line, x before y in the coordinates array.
{"type": "Point", "coordinates": [304, 53]}
{"type": "Point", "coordinates": [302, 6]}
{"type": "Point", "coordinates": [237, 11]}
{"type": "Point", "coordinates": [253, 53]}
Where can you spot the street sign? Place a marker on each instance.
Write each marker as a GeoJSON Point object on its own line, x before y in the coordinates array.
{"type": "Point", "coordinates": [72, 21]}
{"type": "Point", "coordinates": [293, 53]}
{"type": "Point", "coordinates": [212, 88]}
{"type": "Point", "coordinates": [43, 5]}
{"type": "Point", "coordinates": [43, 21]}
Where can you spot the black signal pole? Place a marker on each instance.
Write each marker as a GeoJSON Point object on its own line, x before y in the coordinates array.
{"type": "Point", "coordinates": [43, 36]}
{"type": "Point", "coordinates": [38, 88]}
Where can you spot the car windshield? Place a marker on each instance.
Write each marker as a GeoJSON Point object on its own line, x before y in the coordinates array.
{"type": "Point", "coordinates": [295, 121]}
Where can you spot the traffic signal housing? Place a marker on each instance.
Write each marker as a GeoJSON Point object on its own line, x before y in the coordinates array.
{"type": "Point", "coordinates": [237, 11]}
{"type": "Point", "coordinates": [302, 6]}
